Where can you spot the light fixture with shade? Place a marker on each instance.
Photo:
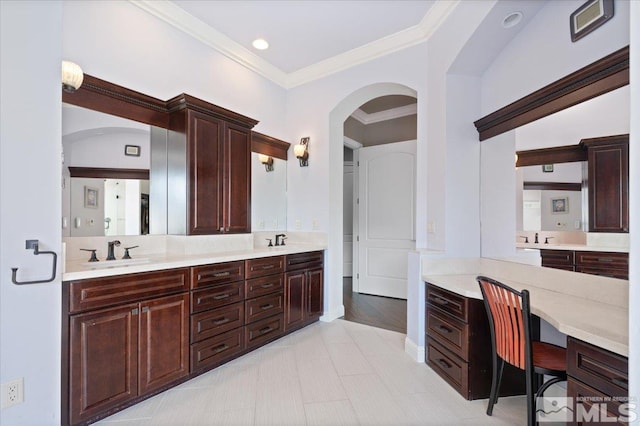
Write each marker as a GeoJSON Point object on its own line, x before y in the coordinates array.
{"type": "Point", "coordinates": [301, 152]}
{"type": "Point", "coordinates": [267, 161]}
{"type": "Point", "coordinates": [72, 76]}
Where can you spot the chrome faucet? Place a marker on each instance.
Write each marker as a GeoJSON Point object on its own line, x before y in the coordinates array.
{"type": "Point", "coordinates": [111, 245]}
{"type": "Point", "coordinates": [280, 239]}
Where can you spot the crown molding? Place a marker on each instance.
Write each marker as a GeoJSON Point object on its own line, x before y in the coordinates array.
{"type": "Point", "coordinates": [189, 24]}
{"type": "Point", "coordinates": [389, 114]}
{"type": "Point", "coordinates": [352, 143]}
{"type": "Point", "coordinates": [180, 19]}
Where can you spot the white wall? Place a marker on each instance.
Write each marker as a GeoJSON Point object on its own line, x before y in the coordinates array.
{"type": "Point", "coordinates": [31, 200]}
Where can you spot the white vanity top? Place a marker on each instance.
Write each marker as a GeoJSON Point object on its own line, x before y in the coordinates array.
{"type": "Point", "coordinates": [81, 269]}
{"type": "Point", "coordinates": [576, 247]}
{"type": "Point", "coordinates": [588, 307]}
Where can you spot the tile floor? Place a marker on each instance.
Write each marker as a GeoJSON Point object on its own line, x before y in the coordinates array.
{"type": "Point", "coordinates": [338, 373]}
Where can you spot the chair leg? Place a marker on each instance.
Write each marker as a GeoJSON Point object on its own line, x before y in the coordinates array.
{"type": "Point", "coordinates": [540, 393]}
{"type": "Point", "coordinates": [498, 367]}
{"type": "Point", "coordinates": [531, 407]}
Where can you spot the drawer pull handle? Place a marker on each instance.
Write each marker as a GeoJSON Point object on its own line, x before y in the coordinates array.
{"type": "Point", "coordinates": [267, 306]}
{"type": "Point", "coordinates": [218, 349]}
{"type": "Point", "coordinates": [265, 330]}
{"type": "Point", "coordinates": [266, 285]}
{"type": "Point", "coordinates": [444, 364]}
{"type": "Point", "coordinates": [145, 309]}
{"type": "Point", "coordinates": [221, 321]}
{"type": "Point", "coordinates": [440, 301]}
{"type": "Point", "coordinates": [623, 383]}
{"type": "Point", "coordinates": [222, 274]}
{"type": "Point", "coordinates": [221, 296]}
{"type": "Point", "coordinates": [268, 267]}
{"type": "Point", "coordinates": [605, 259]}
{"type": "Point", "coordinates": [444, 329]}
{"type": "Point", "coordinates": [134, 311]}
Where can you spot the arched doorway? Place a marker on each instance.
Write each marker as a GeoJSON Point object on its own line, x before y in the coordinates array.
{"type": "Point", "coordinates": [334, 307]}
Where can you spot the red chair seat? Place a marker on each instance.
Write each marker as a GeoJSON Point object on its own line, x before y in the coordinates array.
{"type": "Point", "coordinates": [549, 357]}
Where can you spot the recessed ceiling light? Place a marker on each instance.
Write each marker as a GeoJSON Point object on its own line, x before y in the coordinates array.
{"type": "Point", "coordinates": [260, 44]}
{"type": "Point", "coordinates": [512, 19]}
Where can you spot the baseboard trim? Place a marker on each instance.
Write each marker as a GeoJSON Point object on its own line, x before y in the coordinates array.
{"type": "Point", "coordinates": [333, 315]}
{"type": "Point", "coordinates": [414, 351]}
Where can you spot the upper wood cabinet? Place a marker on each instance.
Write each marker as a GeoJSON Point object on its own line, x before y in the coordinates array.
{"type": "Point", "coordinates": [608, 162]}
{"type": "Point", "coordinates": [211, 147]}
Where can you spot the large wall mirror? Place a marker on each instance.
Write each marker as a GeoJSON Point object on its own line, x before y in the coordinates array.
{"type": "Point", "coordinates": [554, 196]}
{"type": "Point", "coordinates": [115, 173]}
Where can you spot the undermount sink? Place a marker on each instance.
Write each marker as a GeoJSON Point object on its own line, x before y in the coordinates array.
{"type": "Point", "coordinates": [116, 263]}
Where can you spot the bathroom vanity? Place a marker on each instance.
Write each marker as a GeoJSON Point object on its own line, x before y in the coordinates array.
{"type": "Point", "coordinates": [130, 335]}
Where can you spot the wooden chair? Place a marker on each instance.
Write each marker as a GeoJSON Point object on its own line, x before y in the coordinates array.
{"type": "Point", "coordinates": [510, 324]}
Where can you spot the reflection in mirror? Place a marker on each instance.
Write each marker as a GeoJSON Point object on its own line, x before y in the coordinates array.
{"type": "Point", "coordinates": [268, 195]}
{"type": "Point", "coordinates": [553, 201]}
{"type": "Point", "coordinates": [99, 206]}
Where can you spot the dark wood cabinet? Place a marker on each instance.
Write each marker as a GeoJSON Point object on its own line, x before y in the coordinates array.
{"type": "Point", "coordinates": [608, 163]}
{"type": "Point", "coordinates": [607, 264]}
{"type": "Point", "coordinates": [596, 376]}
{"type": "Point", "coordinates": [216, 146]}
{"type": "Point", "coordinates": [128, 336]}
{"type": "Point", "coordinates": [458, 341]}
{"type": "Point", "coordinates": [304, 289]}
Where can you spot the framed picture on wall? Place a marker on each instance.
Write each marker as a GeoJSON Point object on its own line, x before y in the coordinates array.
{"type": "Point", "coordinates": [560, 205]}
{"type": "Point", "coordinates": [91, 197]}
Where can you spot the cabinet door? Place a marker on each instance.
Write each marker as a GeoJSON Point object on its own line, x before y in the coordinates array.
{"type": "Point", "coordinates": [315, 303]}
{"type": "Point", "coordinates": [237, 179]}
{"type": "Point", "coordinates": [294, 299]}
{"type": "Point", "coordinates": [609, 187]}
{"type": "Point", "coordinates": [164, 341]}
{"type": "Point", "coordinates": [103, 363]}
{"type": "Point", "coordinates": [204, 153]}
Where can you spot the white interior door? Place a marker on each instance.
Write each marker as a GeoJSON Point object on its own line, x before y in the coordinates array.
{"type": "Point", "coordinates": [386, 210]}
{"type": "Point", "coordinates": [347, 266]}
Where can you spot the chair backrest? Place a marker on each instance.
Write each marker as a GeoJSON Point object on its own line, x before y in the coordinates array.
{"type": "Point", "coordinates": [508, 312]}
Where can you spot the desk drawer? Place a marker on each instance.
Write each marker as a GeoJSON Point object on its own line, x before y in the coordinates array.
{"type": "Point", "coordinates": [622, 274]}
{"type": "Point", "coordinates": [211, 352]}
{"type": "Point", "coordinates": [265, 306]}
{"type": "Point", "coordinates": [448, 302]}
{"type": "Point", "coordinates": [308, 260]}
{"type": "Point", "coordinates": [587, 396]}
{"type": "Point", "coordinates": [264, 285]}
{"type": "Point", "coordinates": [221, 295]}
{"type": "Point", "coordinates": [211, 323]}
{"type": "Point", "coordinates": [606, 371]}
{"type": "Point", "coordinates": [556, 258]}
{"type": "Point", "coordinates": [451, 333]}
{"type": "Point", "coordinates": [602, 259]}
{"type": "Point", "coordinates": [264, 266]}
{"type": "Point", "coordinates": [219, 273]}
{"type": "Point", "coordinates": [448, 366]}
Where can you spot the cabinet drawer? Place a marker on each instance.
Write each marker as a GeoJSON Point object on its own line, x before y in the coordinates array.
{"type": "Point", "coordinates": [219, 273]}
{"type": "Point", "coordinates": [606, 371]}
{"type": "Point", "coordinates": [264, 266]}
{"type": "Point", "coordinates": [108, 291]}
{"type": "Point", "coordinates": [602, 259]}
{"type": "Point", "coordinates": [264, 285]}
{"type": "Point", "coordinates": [555, 258]}
{"type": "Point", "coordinates": [263, 331]}
{"type": "Point", "coordinates": [308, 260]}
{"type": "Point", "coordinates": [212, 352]}
{"type": "Point", "coordinates": [265, 306]}
{"type": "Point", "coordinates": [622, 274]}
{"type": "Point", "coordinates": [452, 334]}
{"type": "Point", "coordinates": [211, 323]}
{"type": "Point", "coordinates": [220, 295]}
{"type": "Point", "coordinates": [447, 301]}
{"type": "Point", "coordinates": [448, 366]}
{"type": "Point", "coordinates": [586, 396]}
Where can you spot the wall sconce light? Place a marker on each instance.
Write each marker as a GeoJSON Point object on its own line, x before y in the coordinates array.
{"type": "Point", "coordinates": [72, 76]}
{"type": "Point", "coordinates": [267, 161]}
{"type": "Point", "coordinates": [301, 152]}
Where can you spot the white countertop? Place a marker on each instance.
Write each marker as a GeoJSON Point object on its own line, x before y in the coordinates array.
{"type": "Point", "coordinates": [576, 247]}
{"type": "Point", "coordinates": [586, 315]}
{"type": "Point", "coordinates": [77, 270]}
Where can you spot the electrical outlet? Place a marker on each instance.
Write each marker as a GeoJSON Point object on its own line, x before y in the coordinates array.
{"type": "Point", "coordinates": [12, 393]}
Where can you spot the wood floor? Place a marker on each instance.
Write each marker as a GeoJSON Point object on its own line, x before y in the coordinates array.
{"type": "Point", "coordinates": [376, 311]}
